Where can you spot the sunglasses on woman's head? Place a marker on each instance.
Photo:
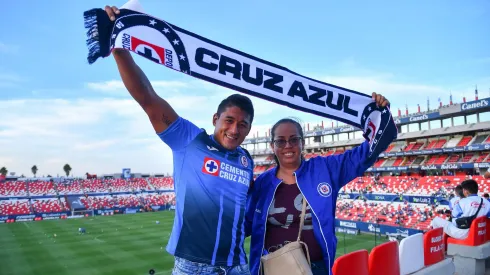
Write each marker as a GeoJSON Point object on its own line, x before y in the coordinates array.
{"type": "Point", "coordinates": [281, 143]}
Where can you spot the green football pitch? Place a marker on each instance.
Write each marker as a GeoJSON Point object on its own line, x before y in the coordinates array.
{"type": "Point", "coordinates": [120, 244]}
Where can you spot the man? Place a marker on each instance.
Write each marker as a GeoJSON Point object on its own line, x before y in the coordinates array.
{"type": "Point", "coordinates": [467, 207]}
{"type": "Point", "coordinates": [457, 196]}
{"type": "Point", "coordinates": [212, 175]}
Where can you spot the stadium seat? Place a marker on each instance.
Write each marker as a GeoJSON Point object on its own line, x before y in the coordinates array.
{"type": "Point", "coordinates": [352, 263]}
{"type": "Point", "coordinates": [470, 254]}
{"type": "Point", "coordinates": [384, 259]}
{"type": "Point", "coordinates": [434, 246]}
{"type": "Point", "coordinates": [476, 235]}
{"type": "Point", "coordinates": [411, 253]}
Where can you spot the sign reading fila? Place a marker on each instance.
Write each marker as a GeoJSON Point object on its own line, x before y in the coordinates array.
{"type": "Point", "coordinates": [433, 246]}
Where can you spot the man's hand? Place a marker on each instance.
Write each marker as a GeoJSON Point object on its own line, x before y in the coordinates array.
{"type": "Point", "coordinates": [380, 100]}
{"type": "Point", "coordinates": [111, 12]}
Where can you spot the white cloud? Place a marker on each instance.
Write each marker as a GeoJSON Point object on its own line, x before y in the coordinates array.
{"type": "Point", "coordinates": [103, 135]}
{"type": "Point", "coordinates": [9, 80]}
{"type": "Point", "coordinates": [95, 145]}
{"type": "Point", "coordinates": [115, 87]}
{"type": "Point", "coordinates": [111, 85]}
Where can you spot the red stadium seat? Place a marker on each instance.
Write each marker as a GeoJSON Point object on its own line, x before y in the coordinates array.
{"type": "Point", "coordinates": [352, 263]}
{"type": "Point", "coordinates": [434, 246]}
{"type": "Point", "coordinates": [384, 259]}
{"type": "Point", "coordinates": [476, 234]}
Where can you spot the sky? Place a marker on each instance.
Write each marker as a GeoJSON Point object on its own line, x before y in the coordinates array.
{"type": "Point", "coordinates": [55, 108]}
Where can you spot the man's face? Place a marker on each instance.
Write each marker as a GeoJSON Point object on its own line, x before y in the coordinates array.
{"type": "Point", "coordinates": [231, 127]}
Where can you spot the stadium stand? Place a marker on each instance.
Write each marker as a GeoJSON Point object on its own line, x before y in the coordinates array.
{"type": "Point", "coordinates": [406, 188]}
{"type": "Point", "coordinates": [27, 197]}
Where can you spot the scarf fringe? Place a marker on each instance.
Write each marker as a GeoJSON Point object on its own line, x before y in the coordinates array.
{"type": "Point", "coordinates": [98, 26]}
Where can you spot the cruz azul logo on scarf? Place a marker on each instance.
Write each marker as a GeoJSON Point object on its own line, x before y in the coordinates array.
{"type": "Point", "coordinates": [150, 38]}
{"type": "Point", "coordinates": [202, 58]}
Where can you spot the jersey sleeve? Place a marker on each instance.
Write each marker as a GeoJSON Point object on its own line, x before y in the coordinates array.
{"type": "Point", "coordinates": [349, 165]}
{"type": "Point", "coordinates": [457, 210]}
{"type": "Point", "coordinates": [179, 134]}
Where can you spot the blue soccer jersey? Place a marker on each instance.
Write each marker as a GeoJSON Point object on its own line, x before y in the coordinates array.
{"type": "Point", "coordinates": [211, 185]}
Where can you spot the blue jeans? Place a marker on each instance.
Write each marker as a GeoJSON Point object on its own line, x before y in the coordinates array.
{"type": "Point", "coordinates": [319, 268]}
{"type": "Point", "coordinates": [185, 267]}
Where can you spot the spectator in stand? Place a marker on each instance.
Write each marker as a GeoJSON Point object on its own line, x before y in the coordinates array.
{"type": "Point", "coordinates": [214, 205]}
{"type": "Point", "coordinates": [486, 196]}
{"type": "Point", "coordinates": [458, 195]}
{"type": "Point", "coordinates": [280, 193]}
{"type": "Point", "coordinates": [467, 207]}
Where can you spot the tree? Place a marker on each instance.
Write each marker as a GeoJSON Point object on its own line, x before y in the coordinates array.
{"type": "Point", "coordinates": [3, 171]}
{"type": "Point", "coordinates": [67, 169]}
{"type": "Point", "coordinates": [34, 170]}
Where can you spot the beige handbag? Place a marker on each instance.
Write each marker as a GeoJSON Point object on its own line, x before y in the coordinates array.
{"type": "Point", "coordinates": [290, 258]}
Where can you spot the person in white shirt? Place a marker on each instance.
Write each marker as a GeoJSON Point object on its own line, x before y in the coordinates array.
{"type": "Point", "coordinates": [466, 207]}
{"type": "Point", "coordinates": [458, 195]}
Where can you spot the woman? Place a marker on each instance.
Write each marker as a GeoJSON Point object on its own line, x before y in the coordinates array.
{"type": "Point", "coordinates": [275, 202]}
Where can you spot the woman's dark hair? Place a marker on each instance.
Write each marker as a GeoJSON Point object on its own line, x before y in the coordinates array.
{"type": "Point", "coordinates": [283, 121]}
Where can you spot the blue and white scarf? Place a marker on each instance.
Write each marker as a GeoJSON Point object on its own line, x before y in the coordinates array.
{"type": "Point", "coordinates": [189, 53]}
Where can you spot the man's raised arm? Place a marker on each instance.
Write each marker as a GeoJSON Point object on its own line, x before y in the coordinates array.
{"type": "Point", "coordinates": [160, 113]}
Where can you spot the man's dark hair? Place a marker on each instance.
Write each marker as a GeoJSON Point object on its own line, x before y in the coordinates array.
{"type": "Point", "coordinates": [470, 185]}
{"type": "Point", "coordinates": [486, 196]}
{"type": "Point", "coordinates": [459, 191]}
{"type": "Point", "coordinates": [240, 101]}
{"type": "Point", "coordinates": [282, 121]}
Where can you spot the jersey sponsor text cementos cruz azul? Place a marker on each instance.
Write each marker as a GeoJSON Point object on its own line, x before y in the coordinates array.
{"type": "Point", "coordinates": [211, 185]}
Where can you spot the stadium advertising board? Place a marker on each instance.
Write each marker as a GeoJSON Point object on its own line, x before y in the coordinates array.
{"type": "Point", "coordinates": [347, 231]}
{"type": "Point", "coordinates": [131, 210]}
{"type": "Point", "coordinates": [106, 212]}
{"type": "Point", "coordinates": [449, 166]}
{"type": "Point", "coordinates": [378, 228]}
{"type": "Point", "coordinates": [37, 217]}
{"type": "Point", "coordinates": [348, 224]}
{"type": "Point", "coordinates": [24, 218]}
{"type": "Point", "coordinates": [477, 147]}
{"type": "Point", "coordinates": [417, 118]}
{"type": "Point", "coordinates": [53, 216]}
{"type": "Point", "coordinates": [391, 197]}
{"type": "Point", "coordinates": [427, 200]}
{"type": "Point", "coordinates": [479, 165]}
{"type": "Point", "coordinates": [476, 104]}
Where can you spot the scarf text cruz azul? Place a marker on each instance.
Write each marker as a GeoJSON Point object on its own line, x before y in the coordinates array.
{"type": "Point", "coordinates": [189, 53]}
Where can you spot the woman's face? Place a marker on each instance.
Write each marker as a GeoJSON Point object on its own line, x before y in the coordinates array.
{"type": "Point", "coordinates": [287, 144]}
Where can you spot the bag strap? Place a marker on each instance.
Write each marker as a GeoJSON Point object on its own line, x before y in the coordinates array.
{"type": "Point", "coordinates": [303, 213]}
{"type": "Point", "coordinates": [479, 207]}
